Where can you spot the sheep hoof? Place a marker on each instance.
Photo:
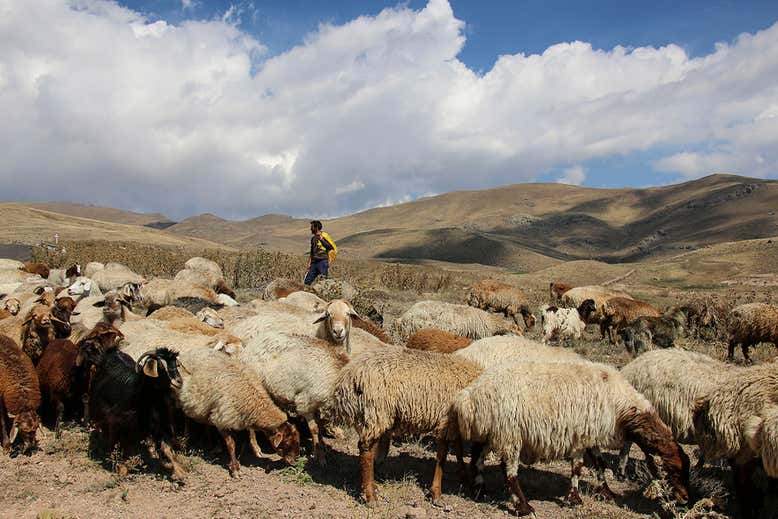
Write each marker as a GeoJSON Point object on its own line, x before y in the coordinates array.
{"type": "Point", "coordinates": [573, 498]}
{"type": "Point", "coordinates": [437, 502]}
{"type": "Point", "coordinates": [524, 509]}
{"type": "Point", "coordinates": [234, 470]}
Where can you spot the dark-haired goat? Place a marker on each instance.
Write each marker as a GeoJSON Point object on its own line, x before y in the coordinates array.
{"type": "Point", "coordinates": [131, 402]}
{"type": "Point", "coordinates": [20, 396]}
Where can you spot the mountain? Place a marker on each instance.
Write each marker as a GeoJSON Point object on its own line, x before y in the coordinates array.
{"type": "Point", "coordinates": [27, 224]}
{"type": "Point", "coordinates": [529, 226]}
{"type": "Point", "coordinates": [104, 214]}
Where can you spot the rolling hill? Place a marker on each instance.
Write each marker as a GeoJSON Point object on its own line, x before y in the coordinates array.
{"type": "Point", "coordinates": [529, 226]}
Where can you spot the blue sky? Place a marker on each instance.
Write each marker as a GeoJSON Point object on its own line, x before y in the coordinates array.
{"type": "Point", "coordinates": [246, 107]}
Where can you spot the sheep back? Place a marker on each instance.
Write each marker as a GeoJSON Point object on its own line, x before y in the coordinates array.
{"type": "Point", "coordinates": [432, 339]}
{"type": "Point", "coordinates": [754, 323]}
{"type": "Point", "coordinates": [496, 351]}
{"type": "Point", "coordinates": [463, 320]}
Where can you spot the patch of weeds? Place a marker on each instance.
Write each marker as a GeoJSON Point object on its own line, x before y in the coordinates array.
{"type": "Point", "coordinates": [52, 514]}
{"type": "Point", "coordinates": [297, 473]}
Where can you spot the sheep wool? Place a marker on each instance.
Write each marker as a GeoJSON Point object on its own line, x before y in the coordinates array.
{"type": "Point", "coordinates": [496, 351]}
{"type": "Point", "coordinates": [461, 320]}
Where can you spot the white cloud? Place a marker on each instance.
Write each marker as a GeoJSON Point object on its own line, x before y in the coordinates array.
{"type": "Point", "coordinates": [188, 4]}
{"type": "Point", "coordinates": [574, 175]}
{"type": "Point", "coordinates": [194, 117]}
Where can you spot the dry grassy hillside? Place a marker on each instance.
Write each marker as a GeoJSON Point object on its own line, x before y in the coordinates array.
{"type": "Point", "coordinates": [28, 225]}
{"type": "Point", "coordinates": [104, 214]}
{"type": "Point", "coordinates": [529, 226]}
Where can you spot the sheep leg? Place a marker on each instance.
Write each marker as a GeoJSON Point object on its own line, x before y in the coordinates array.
{"type": "Point", "coordinates": [731, 350]}
{"type": "Point", "coordinates": [177, 473]}
{"type": "Point", "coordinates": [594, 458]}
{"type": "Point", "coordinates": [459, 449]}
{"type": "Point", "coordinates": [229, 441]}
{"type": "Point", "coordinates": [317, 441]}
{"type": "Point", "coordinates": [744, 347]}
{"type": "Point", "coordinates": [623, 460]}
{"type": "Point", "coordinates": [384, 443]}
{"type": "Point", "coordinates": [254, 445]}
{"type": "Point", "coordinates": [367, 454]}
{"type": "Point", "coordinates": [576, 466]}
{"type": "Point", "coordinates": [437, 477]}
{"type": "Point", "coordinates": [58, 422]}
{"type": "Point", "coordinates": [85, 402]}
{"type": "Point", "coordinates": [6, 441]}
{"type": "Point", "coordinates": [477, 459]}
{"type": "Point", "coordinates": [520, 504]}
{"type": "Point", "coordinates": [747, 494]}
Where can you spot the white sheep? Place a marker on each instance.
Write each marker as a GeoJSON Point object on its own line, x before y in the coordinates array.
{"type": "Point", "coordinates": [673, 380]}
{"type": "Point", "coordinates": [177, 335]}
{"type": "Point", "coordinates": [461, 320]}
{"type": "Point", "coordinates": [738, 421]}
{"type": "Point", "coordinates": [298, 372]}
{"type": "Point", "coordinates": [496, 351]}
{"type": "Point", "coordinates": [305, 300]}
{"type": "Point", "coordinates": [114, 276]}
{"type": "Point", "coordinates": [399, 390]}
{"type": "Point", "coordinates": [92, 267]}
{"type": "Point", "coordinates": [219, 390]}
{"type": "Point", "coordinates": [163, 292]}
{"type": "Point", "coordinates": [204, 265]}
{"type": "Point", "coordinates": [84, 287]}
{"type": "Point", "coordinates": [532, 412]}
{"type": "Point", "coordinates": [561, 323]}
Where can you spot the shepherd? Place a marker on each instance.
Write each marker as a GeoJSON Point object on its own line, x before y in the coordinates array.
{"type": "Point", "coordinates": [323, 251]}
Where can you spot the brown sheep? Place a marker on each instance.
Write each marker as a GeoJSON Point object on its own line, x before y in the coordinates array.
{"type": "Point", "coordinates": [65, 370]}
{"type": "Point", "coordinates": [556, 289]}
{"type": "Point", "coordinates": [705, 318]}
{"type": "Point", "coordinates": [371, 328]}
{"type": "Point", "coordinates": [20, 396]}
{"type": "Point", "coordinates": [432, 339]}
{"type": "Point", "coordinates": [619, 311]}
{"type": "Point", "coordinates": [11, 307]}
{"type": "Point", "coordinates": [36, 268]}
{"type": "Point", "coordinates": [37, 332]}
{"type": "Point", "coordinates": [61, 312]}
{"type": "Point", "coordinates": [495, 296]}
{"type": "Point", "coordinates": [751, 324]}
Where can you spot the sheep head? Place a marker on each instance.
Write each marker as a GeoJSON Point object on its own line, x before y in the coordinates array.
{"type": "Point", "coordinates": [103, 336]}
{"type": "Point", "coordinates": [286, 442]}
{"type": "Point", "coordinates": [130, 292]}
{"type": "Point", "coordinates": [113, 307]}
{"type": "Point", "coordinates": [80, 287]}
{"type": "Point", "coordinates": [210, 317]}
{"type": "Point", "coordinates": [13, 305]}
{"type": "Point", "coordinates": [337, 319]}
{"type": "Point", "coordinates": [161, 364]}
{"type": "Point", "coordinates": [587, 310]}
{"type": "Point", "coordinates": [25, 425]}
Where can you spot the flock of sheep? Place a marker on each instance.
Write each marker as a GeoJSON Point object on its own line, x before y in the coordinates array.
{"type": "Point", "coordinates": [147, 360]}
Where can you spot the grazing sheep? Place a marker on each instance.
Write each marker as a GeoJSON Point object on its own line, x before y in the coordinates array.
{"type": "Point", "coordinates": [599, 295]}
{"type": "Point", "coordinates": [131, 402]}
{"type": "Point", "coordinates": [92, 267]}
{"type": "Point", "coordinates": [705, 318]}
{"type": "Point", "coordinates": [532, 412]}
{"type": "Point", "coordinates": [561, 323]}
{"type": "Point", "coordinates": [63, 277]}
{"type": "Point", "coordinates": [114, 276]}
{"type": "Point", "coordinates": [457, 319]}
{"type": "Point", "coordinates": [643, 332]}
{"type": "Point", "coordinates": [751, 324]}
{"type": "Point", "coordinates": [281, 287]}
{"type": "Point", "coordinates": [41, 269]}
{"type": "Point", "coordinates": [556, 289]}
{"type": "Point", "coordinates": [305, 300]}
{"type": "Point", "coordinates": [397, 390]}
{"type": "Point", "coordinates": [298, 372]}
{"type": "Point", "coordinates": [333, 325]}
{"type": "Point", "coordinates": [495, 296]}
{"type": "Point", "coordinates": [179, 335]}
{"type": "Point", "coordinates": [222, 391]}
{"type": "Point", "coordinates": [20, 396]}
{"type": "Point", "coordinates": [496, 351]}
{"type": "Point", "coordinates": [619, 311]}
{"type": "Point", "coordinates": [673, 380]}
{"type": "Point", "coordinates": [738, 421]}
{"type": "Point", "coordinates": [330, 289]}
{"type": "Point", "coordinates": [10, 264]}
{"type": "Point", "coordinates": [204, 278]}
{"type": "Point", "coordinates": [432, 339]}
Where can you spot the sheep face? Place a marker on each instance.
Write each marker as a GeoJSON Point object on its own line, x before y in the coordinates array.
{"type": "Point", "coordinates": [13, 305]}
{"type": "Point", "coordinates": [73, 271]}
{"type": "Point", "coordinates": [25, 425]}
{"type": "Point", "coordinates": [104, 337]}
{"type": "Point", "coordinates": [130, 292]}
{"type": "Point", "coordinates": [337, 318]}
{"type": "Point", "coordinates": [210, 317]}
{"type": "Point", "coordinates": [286, 442]}
{"type": "Point", "coordinates": [80, 287]}
{"type": "Point", "coordinates": [529, 318]}
{"type": "Point", "coordinates": [113, 307]}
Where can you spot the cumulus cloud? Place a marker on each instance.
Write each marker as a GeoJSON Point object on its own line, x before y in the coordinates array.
{"type": "Point", "coordinates": [574, 175]}
{"type": "Point", "coordinates": [105, 106]}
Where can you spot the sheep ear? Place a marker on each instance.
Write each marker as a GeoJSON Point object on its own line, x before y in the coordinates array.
{"type": "Point", "coordinates": [353, 313]}
{"type": "Point", "coordinates": [75, 313]}
{"type": "Point", "coordinates": [321, 318]}
{"type": "Point", "coordinates": [14, 432]}
{"type": "Point", "coordinates": [150, 368]}
{"type": "Point", "coordinates": [39, 290]}
{"type": "Point", "coordinates": [99, 304]}
{"type": "Point", "coordinates": [277, 438]}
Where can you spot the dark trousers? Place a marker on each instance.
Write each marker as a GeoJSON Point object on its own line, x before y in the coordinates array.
{"type": "Point", "coordinates": [318, 268]}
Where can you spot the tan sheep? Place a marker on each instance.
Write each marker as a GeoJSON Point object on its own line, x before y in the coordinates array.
{"type": "Point", "coordinates": [432, 339]}
{"type": "Point", "coordinates": [619, 311]}
{"type": "Point", "coordinates": [499, 297]}
{"type": "Point", "coordinates": [751, 324]}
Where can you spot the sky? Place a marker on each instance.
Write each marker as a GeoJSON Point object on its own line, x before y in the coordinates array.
{"type": "Point", "coordinates": [314, 108]}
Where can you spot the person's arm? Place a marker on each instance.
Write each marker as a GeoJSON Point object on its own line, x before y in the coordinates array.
{"type": "Point", "coordinates": [325, 243]}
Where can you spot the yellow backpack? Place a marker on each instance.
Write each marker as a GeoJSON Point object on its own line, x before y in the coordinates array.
{"type": "Point", "coordinates": [334, 252]}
